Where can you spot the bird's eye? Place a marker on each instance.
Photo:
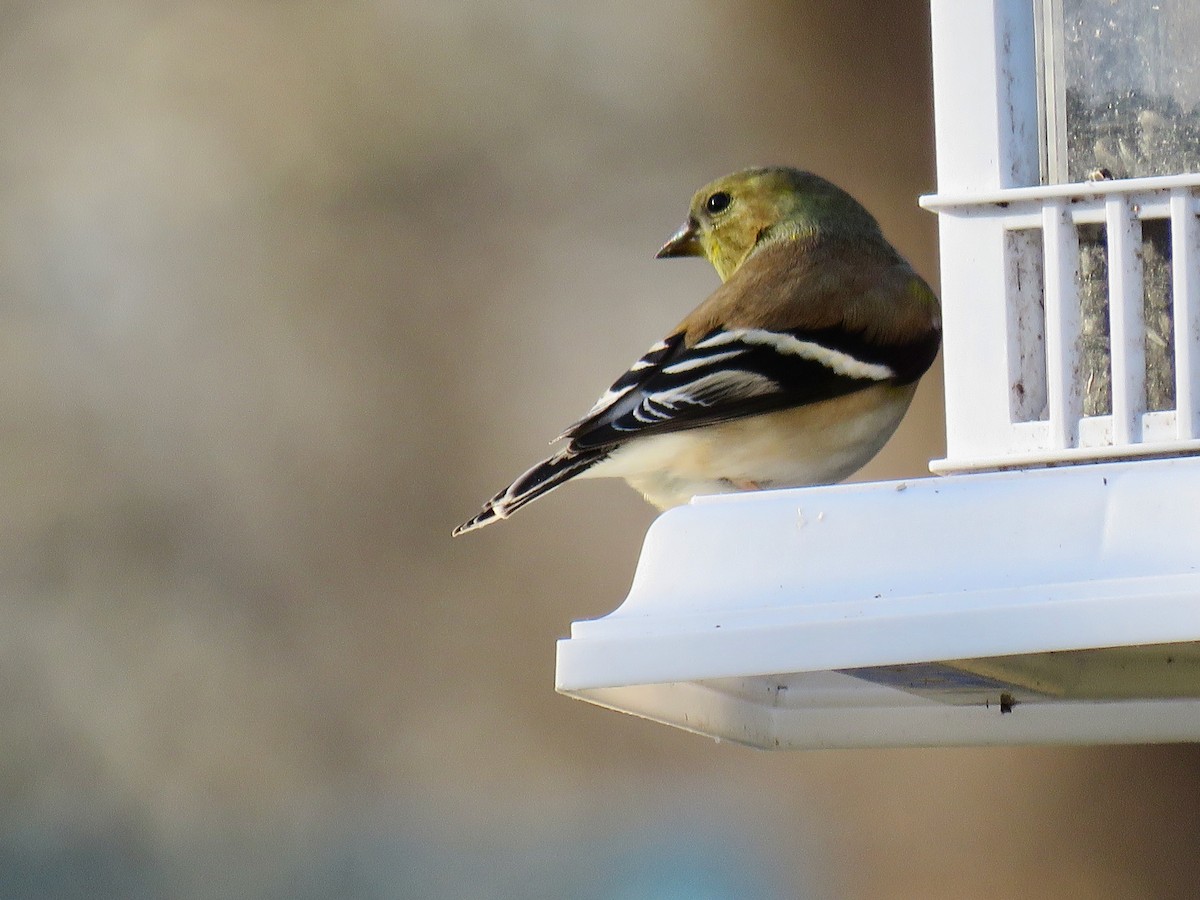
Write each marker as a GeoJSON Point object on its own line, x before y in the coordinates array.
{"type": "Point", "coordinates": [717, 202]}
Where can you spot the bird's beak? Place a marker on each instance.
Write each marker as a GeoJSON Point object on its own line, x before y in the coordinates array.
{"type": "Point", "coordinates": [684, 242]}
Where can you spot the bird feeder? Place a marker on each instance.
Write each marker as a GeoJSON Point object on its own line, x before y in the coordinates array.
{"type": "Point", "coordinates": [1045, 588]}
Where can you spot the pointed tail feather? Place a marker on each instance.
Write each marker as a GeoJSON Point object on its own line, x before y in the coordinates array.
{"type": "Point", "coordinates": [541, 479]}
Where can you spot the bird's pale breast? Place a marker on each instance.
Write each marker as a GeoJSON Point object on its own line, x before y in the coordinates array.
{"type": "Point", "coordinates": [819, 443]}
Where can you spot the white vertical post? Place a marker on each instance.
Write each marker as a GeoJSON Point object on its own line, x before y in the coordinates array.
{"type": "Point", "coordinates": [985, 109]}
{"type": "Point", "coordinates": [1127, 340]}
{"type": "Point", "coordinates": [1185, 289]}
{"type": "Point", "coordinates": [1063, 394]}
{"type": "Point", "coordinates": [985, 94]}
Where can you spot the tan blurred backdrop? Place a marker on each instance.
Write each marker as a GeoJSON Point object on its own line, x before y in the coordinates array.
{"type": "Point", "coordinates": [288, 288]}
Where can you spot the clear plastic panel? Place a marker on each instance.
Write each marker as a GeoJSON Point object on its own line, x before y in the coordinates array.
{"type": "Point", "coordinates": [1130, 87]}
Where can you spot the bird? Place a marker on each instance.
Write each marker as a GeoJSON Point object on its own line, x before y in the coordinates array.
{"type": "Point", "coordinates": [795, 371]}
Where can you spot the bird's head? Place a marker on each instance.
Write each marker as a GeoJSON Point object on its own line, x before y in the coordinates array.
{"type": "Point", "coordinates": [732, 216]}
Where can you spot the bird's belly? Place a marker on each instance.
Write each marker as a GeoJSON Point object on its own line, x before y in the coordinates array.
{"type": "Point", "coordinates": [816, 444]}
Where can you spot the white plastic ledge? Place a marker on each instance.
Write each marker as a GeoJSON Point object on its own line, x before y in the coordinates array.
{"type": "Point", "coordinates": [745, 607]}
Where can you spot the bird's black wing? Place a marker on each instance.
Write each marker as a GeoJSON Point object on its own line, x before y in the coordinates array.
{"type": "Point", "coordinates": [727, 374]}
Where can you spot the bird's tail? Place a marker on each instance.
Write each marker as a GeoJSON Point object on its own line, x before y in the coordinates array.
{"type": "Point", "coordinates": [541, 479]}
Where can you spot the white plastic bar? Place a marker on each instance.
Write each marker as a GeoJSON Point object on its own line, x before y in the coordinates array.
{"type": "Point", "coordinates": [1126, 332]}
{"type": "Point", "coordinates": [985, 49]}
{"type": "Point", "coordinates": [1082, 190]}
{"type": "Point", "coordinates": [1185, 286]}
{"type": "Point", "coordinates": [985, 111]}
{"type": "Point", "coordinates": [1064, 399]}
{"type": "Point", "coordinates": [1092, 212]}
{"type": "Point", "coordinates": [1032, 459]}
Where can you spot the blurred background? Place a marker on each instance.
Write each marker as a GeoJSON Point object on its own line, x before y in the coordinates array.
{"type": "Point", "coordinates": [287, 290]}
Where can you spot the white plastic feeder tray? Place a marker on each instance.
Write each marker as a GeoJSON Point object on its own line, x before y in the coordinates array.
{"type": "Point", "coordinates": [1050, 606]}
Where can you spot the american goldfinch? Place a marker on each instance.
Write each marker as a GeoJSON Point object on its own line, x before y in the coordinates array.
{"type": "Point", "coordinates": [793, 372]}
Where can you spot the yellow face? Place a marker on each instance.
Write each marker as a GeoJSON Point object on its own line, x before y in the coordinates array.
{"type": "Point", "coordinates": [725, 220]}
{"type": "Point", "coordinates": [732, 213]}
{"type": "Point", "coordinates": [729, 217]}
